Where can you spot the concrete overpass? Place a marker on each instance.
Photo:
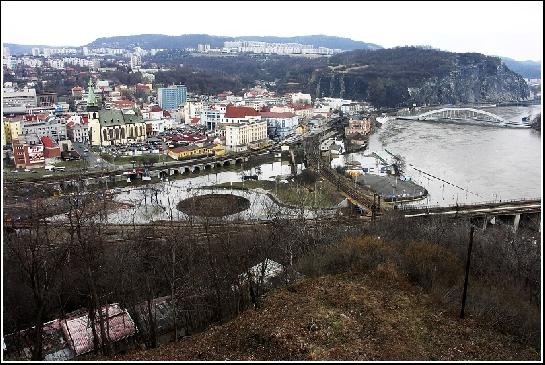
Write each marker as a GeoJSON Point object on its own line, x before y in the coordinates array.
{"type": "Point", "coordinates": [510, 211]}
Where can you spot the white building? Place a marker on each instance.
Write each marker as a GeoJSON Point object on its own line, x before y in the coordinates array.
{"type": "Point", "coordinates": [77, 129]}
{"type": "Point", "coordinates": [301, 98]}
{"type": "Point", "coordinates": [35, 52]}
{"type": "Point", "coordinates": [52, 127]}
{"type": "Point", "coordinates": [212, 116]}
{"type": "Point", "coordinates": [240, 114]}
{"type": "Point", "coordinates": [136, 61]}
{"type": "Point", "coordinates": [192, 109]}
{"type": "Point", "coordinates": [280, 124]}
{"type": "Point", "coordinates": [239, 135]}
{"type": "Point", "coordinates": [18, 101]}
{"type": "Point", "coordinates": [58, 64]}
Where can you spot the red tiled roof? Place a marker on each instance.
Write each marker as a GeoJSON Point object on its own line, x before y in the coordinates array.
{"type": "Point", "coordinates": [77, 88]}
{"type": "Point", "coordinates": [240, 112]}
{"type": "Point", "coordinates": [300, 106]}
{"type": "Point", "coordinates": [48, 142]}
{"type": "Point", "coordinates": [156, 108]}
{"type": "Point", "coordinates": [166, 114]}
{"type": "Point", "coordinates": [119, 103]}
{"type": "Point", "coordinates": [195, 120]}
{"type": "Point", "coordinates": [277, 115]}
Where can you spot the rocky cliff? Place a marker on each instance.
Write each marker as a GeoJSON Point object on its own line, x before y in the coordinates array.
{"type": "Point", "coordinates": [402, 76]}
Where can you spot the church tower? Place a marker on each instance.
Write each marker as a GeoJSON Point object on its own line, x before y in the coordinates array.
{"type": "Point", "coordinates": [92, 102]}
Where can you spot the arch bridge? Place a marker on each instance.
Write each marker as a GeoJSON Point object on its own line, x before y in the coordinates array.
{"type": "Point", "coordinates": [467, 114]}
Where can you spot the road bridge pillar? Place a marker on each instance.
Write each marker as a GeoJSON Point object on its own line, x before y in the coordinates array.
{"type": "Point", "coordinates": [516, 222]}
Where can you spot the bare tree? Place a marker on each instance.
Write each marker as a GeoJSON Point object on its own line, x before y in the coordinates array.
{"type": "Point", "coordinates": [40, 253]}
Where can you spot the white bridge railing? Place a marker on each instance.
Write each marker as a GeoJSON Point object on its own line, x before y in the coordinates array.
{"type": "Point", "coordinates": [468, 113]}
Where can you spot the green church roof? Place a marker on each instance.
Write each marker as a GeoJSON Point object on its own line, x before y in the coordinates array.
{"type": "Point", "coordinates": [115, 117]}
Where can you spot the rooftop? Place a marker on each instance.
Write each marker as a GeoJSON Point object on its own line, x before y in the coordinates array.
{"type": "Point", "coordinates": [240, 112]}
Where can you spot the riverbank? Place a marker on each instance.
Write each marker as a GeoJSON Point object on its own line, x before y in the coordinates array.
{"type": "Point", "coordinates": [392, 188]}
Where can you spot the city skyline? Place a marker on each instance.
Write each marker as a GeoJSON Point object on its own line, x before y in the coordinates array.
{"type": "Point", "coordinates": [498, 33]}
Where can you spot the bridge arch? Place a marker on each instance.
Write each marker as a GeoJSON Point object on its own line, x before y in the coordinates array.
{"type": "Point", "coordinates": [466, 114]}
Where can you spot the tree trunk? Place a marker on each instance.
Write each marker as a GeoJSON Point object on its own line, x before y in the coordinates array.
{"type": "Point", "coordinates": [153, 332]}
{"type": "Point", "coordinates": [37, 350]}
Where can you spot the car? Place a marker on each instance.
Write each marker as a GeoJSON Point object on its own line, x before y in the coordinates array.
{"type": "Point", "coordinates": [27, 170]}
{"type": "Point", "coordinates": [85, 150]}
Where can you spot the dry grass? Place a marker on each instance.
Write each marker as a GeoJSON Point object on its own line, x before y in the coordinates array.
{"type": "Point", "coordinates": [375, 316]}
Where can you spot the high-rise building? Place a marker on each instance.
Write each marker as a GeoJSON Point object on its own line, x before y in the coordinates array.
{"type": "Point", "coordinates": [35, 52]}
{"type": "Point", "coordinates": [136, 61]}
{"type": "Point", "coordinates": [172, 97]}
{"type": "Point", "coordinates": [7, 52]}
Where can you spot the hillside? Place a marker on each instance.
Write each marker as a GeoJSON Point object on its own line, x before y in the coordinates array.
{"type": "Point", "coordinates": [402, 76]}
{"type": "Point", "coordinates": [376, 316]}
{"type": "Point", "coordinates": [526, 69]}
{"type": "Point", "coordinates": [149, 41]}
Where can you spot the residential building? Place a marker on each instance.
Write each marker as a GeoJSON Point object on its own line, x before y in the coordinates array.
{"type": "Point", "coordinates": [77, 129]}
{"type": "Point", "coordinates": [12, 129]}
{"type": "Point", "coordinates": [51, 127]}
{"type": "Point", "coordinates": [355, 108]}
{"type": "Point", "coordinates": [172, 97]}
{"type": "Point", "coordinates": [28, 152]}
{"type": "Point", "coordinates": [179, 153]}
{"type": "Point", "coordinates": [240, 114]}
{"type": "Point", "coordinates": [302, 110]}
{"type": "Point", "coordinates": [239, 135]}
{"type": "Point", "coordinates": [51, 149]}
{"type": "Point", "coordinates": [301, 98]}
{"type": "Point", "coordinates": [356, 126]}
{"type": "Point", "coordinates": [116, 127]}
{"type": "Point", "coordinates": [46, 99]}
{"type": "Point", "coordinates": [192, 109]}
{"type": "Point", "coordinates": [18, 101]}
{"type": "Point", "coordinates": [136, 62]}
{"type": "Point", "coordinates": [77, 92]}
{"type": "Point", "coordinates": [212, 117]}
{"type": "Point", "coordinates": [280, 124]}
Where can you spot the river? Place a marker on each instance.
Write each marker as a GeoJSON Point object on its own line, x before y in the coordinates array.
{"type": "Point", "coordinates": [480, 163]}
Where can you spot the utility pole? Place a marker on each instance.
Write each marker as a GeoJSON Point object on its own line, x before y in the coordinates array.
{"type": "Point", "coordinates": [469, 248]}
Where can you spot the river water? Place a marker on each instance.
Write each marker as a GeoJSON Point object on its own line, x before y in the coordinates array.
{"type": "Point", "coordinates": [480, 163]}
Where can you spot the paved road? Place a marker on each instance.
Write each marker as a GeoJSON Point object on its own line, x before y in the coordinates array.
{"type": "Point", "coordinates": [92, 157]}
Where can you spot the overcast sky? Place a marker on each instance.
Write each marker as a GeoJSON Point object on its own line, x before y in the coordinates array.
{"type": "Point", "coordinates": [511, 29]}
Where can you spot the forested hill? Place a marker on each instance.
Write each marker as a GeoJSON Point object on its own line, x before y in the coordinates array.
{"type": "Point", "coordinates": [399, 76]}
{"type": "Point", "coordinates": [384, 77]}
{"type": "Point", "coordinates": [148, 41]}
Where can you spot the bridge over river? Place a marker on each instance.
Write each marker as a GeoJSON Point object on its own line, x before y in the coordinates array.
{"type": "Point", "coordinates": [466, 115]}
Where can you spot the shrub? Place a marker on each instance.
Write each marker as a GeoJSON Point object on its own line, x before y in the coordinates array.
{"type": "Point", "coordinates": [354, 254]}
{"type": "Point", "coordinates": [429, 264]}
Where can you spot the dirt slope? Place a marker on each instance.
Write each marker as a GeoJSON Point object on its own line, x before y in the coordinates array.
{"type": "Point", "coordinates": [346, 317]}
